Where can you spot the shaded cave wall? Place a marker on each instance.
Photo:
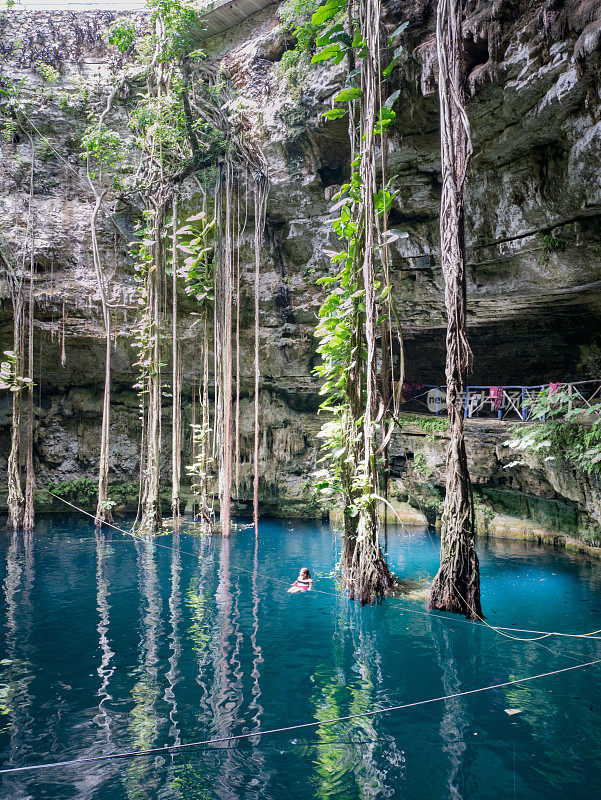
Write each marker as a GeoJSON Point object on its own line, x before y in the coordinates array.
{"type": "Point", "coordinates": [533, 234]}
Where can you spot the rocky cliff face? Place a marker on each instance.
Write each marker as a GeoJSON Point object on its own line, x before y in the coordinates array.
{"type": "Point", "coordinates": [534, 231]}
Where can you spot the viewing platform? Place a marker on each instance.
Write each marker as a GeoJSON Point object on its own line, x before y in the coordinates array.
{"type": "Point", "coordinates": [511, 403]}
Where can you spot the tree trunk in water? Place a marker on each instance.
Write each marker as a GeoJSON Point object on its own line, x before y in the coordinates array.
{"type": "Point", "coordinates": [456, 587]}
{"type": "Point", "coordinates": [176, 431]}
{"type": "Point", "coordinates": [29, 514]}
{"type": "Point", "coordinates": [368, 576]}
{"type": "Point", "coordinates": [15, 493]}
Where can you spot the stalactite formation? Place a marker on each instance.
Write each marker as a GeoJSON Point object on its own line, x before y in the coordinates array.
{"type": "Point", "coordinates": [456, 586]}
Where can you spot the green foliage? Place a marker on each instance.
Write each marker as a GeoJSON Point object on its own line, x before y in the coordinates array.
{"type": "Point", "coordinates": [342, 315]}
{"type": "Point", "coordinates": [43, 149]}
{"type": "Point", "coordinates": [9, 374]}
{"type": "Point", "coordinates": [12, 100]}
{"type": "Point", "coordinates": [569, 433]}
{"type": "Point", "coordinates": [433, 426]}
{"type": "Point", "coordinates": [197, 270]}
{"type": "Point", "coordinates": [145, 331]}
{"type": "Point", "coordinates": [9, 128]}
{"type": "Point", "coordinates": [122, 35]}
{"type": "Point", "coordinates": [182, 25]}
{"type": "Point", "coordinates": [84, 491]}
{"type": "Point", "coordinates": [163, 119]}
{"type": "Point", "coordinates": [48, 73]}
{"type": "Point", "coordinates": [296, 16]}
{"type": "Point", "coordinates": [295, 62]}
{"type": "Point", "coordinates": [81, 491]}
{"type": "Point", "coordinates": [200, 469]}
{"type": "Point", "coordinates": [552, 244]}
{"type": "Point", "coordinates": [105, 150]}
{"type": "Point", "coordinates": [123, 494]}
{"type": "Point", "coordinates": [421, 465]}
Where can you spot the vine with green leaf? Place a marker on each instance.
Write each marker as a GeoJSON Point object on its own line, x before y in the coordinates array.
{"type": "Point", "coordinates": [198, 273]}
{"type": "Point", "coordinates": [183, 123]}
{"type": "Point", "coordinates": [357, 318]}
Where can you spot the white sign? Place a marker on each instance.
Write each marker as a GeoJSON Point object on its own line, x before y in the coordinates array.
{"type": "Point", "coordinates": [437, 400]}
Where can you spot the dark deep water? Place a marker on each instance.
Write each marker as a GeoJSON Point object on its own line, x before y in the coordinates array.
{"type": "Point", "coordinates": [110, 644]}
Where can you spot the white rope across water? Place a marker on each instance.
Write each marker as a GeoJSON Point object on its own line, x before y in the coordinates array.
{"type": "Point", "coordinates": [593, 635]}
{"type": "Point", "coordinates": [174, 748]}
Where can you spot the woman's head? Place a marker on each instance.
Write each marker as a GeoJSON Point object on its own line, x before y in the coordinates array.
{"type": "Point", "coordinates": [304, 573]}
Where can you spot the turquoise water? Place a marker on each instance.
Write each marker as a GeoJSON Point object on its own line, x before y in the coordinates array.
{"type": "Point", "coordinates": [109, 644]}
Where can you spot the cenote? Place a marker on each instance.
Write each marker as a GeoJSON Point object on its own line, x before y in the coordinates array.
{"type": "Point", "coordinates": [275, 274]}
{"type": "Point", "coordinates": [111, 644]}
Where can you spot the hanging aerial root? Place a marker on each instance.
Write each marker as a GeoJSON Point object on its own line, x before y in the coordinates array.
{"type": "Point", "coordinates": [456, 587]}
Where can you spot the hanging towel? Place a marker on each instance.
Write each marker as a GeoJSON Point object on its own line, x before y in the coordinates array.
{"type": "Point", "coordinates": [496, 395]}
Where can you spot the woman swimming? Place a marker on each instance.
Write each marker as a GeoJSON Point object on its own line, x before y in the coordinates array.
{"type": "Point", "coordinates": [303, 583]}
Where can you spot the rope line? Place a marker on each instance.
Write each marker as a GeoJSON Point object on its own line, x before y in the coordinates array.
{"type": "Point", "coordinates": [593, 635]}
{"type": "Point", "coordinates": [501, 630]}
{"type": "Point", "coordinates": [480, 618]}
{"type": "Point", "coordinates": [304, 725]}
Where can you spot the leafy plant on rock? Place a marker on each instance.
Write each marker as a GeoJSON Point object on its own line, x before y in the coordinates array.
{"type": "Point", "coordinates": [564, 429]}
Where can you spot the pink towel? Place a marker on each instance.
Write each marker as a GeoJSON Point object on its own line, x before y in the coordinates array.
{"type": "Point", "coordinates": [496, 394]}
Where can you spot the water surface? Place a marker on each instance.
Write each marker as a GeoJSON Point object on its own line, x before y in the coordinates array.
{"type": "Point", "coordinates": [110, 644]}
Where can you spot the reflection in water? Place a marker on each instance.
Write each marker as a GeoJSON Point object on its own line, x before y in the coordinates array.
{"type": "Point", "coordinates": [177, 645]}
{"type": "Point", "coordinates": [367, 660]}
{"type": "Point", "coordinates": [175, 648]}
{"type": "Point", "coordinates": [454, 718]}
{"type": "Point", "coordinates": [18, 674]}
{"type": "Point", "coordinates": [105, 670]}
{"type": "Point", "coordinates": [348, 753]}
{"type": "Point", "coordinates": [227, 694]}
{"type": "Point", "coordinates": [255, 705]}
{"type": "Point", "coordinates": [141, 778]}
{"type": "Point", "coordinates": [260, 778]}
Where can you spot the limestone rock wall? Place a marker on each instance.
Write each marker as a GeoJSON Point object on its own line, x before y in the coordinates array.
{"type": "Point", "coordinates": [534, 228]}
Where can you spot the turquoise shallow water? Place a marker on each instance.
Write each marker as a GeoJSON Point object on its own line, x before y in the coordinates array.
{"type": "Point", "coordinates": [108, 644]}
